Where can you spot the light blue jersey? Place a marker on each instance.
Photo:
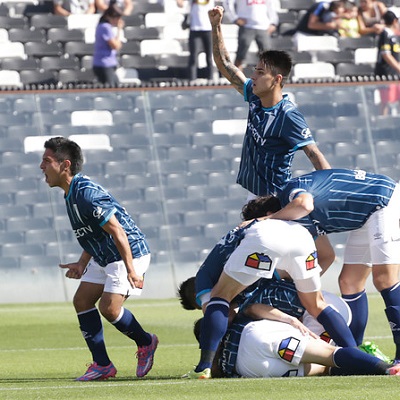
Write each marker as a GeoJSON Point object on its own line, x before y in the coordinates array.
{"type": "Point", "coordinates": [343, 199]}
{"type": "Point", "coordinates": [272, 137]}
{"type": "Point", "coordinates": [89, 207]}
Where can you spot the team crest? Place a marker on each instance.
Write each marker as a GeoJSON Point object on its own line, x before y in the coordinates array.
{"type": "Point", "coordinates": [259, 261]}
{"type": "Point", "coordinates": [287, 348]}
{"type": "Point", "coordinates": [311, 261]}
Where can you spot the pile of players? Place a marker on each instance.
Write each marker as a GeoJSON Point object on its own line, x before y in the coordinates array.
{"type": "Point", "coordinates": [270, 267]}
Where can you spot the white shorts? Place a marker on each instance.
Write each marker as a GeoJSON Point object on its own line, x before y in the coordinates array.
{"type": "Point", "coordinates": [114, 276]}
{"type": "Point", "coordinates": [378, 241]}
{"type": "Point", "coordinates": [275, 244]}
{"type": "Point", "coordinates": [270, 349]}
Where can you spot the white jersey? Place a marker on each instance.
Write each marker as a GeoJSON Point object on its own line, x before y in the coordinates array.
{"type": "Point", "coordinates": [275, 244]}
{"type": "Point", "coordinates": [199, 20]}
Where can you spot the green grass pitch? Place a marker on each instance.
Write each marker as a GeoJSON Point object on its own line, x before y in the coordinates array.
{"type": "Point", "coordinates": [42, 351]}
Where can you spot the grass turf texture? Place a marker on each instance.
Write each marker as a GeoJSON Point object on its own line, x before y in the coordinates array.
{"type": "Point", "coordinates": [42, 351]}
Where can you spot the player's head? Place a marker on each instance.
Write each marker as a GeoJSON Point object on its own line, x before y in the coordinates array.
{"type": "Point", "coordinates": [187, 294]}
{"type": "Point", "coordinates": [278, 62]}
{"type": "Point", "coordinates": [65, 149]}
{"type": "Point", "coordinates": [260, 207]}
{"type": "Point", "coordinates": [389, 18]}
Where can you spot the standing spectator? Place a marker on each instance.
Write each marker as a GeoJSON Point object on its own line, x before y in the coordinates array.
{"type": "Point", "coordinates": [107, 43]}
{"type": "Point", "coordinates": [257, 20]}
{"type": "Point", "coordinates": [370, 13]}
{"type": "Point", "coordinates": [68, 7]}
{"type": "Point", "coordinates": [125, 5]}
{"type": "Point", "coordinates": [388, 62]}
{"type": "Point", "coordinates": [199, 35]}
{"type": "Point", "coordinates": [114, 259]}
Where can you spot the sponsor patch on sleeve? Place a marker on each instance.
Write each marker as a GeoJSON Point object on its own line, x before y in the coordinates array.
{"type": "Point", "coordinates": [259, 261]}
{"type": "Point", "coordinates": [311, 261]}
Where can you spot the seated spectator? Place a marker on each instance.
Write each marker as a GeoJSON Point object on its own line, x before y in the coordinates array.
{"type": "Point", "coordinates": [323, 18]}
{"type": "Point", "coordinates": [370, 14]}
{"type": "Point", "coordinates": [125, 5]}
{"type": "Point", "coordinates": [388, 62]}
{"type": "Point", "coordinates": [68, 7]}
{"type": "Point", "coordinates": [349, 26]}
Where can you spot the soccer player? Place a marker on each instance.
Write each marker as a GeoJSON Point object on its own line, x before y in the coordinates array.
{"type": "Point", "coordinates": [367, 205]}
{"type": "Point", "coordinates": [265, 248]}
{"type": "Point", "coordinates": [114, 259]}
{"type": "Point", "coordinates": [281, 346]}
{"type": "Point", "coordinates": [275, 127]}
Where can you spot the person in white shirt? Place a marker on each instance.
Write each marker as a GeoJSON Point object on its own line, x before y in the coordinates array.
{"type": "Point", "coordinates": [257, 20]}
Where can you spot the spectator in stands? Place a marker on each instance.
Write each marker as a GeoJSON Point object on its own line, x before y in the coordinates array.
{"type": "Point", "coordinates": [388, 62]}
{"type": "Point", "coordinates": [125, 5]}
{"type": "Point", "coordinates": [199, 35]}
{"type": "Point", "coordinates": [68, 7]}
{"type": "Point", "coordinates": [323, 18]}
{"type": "Point", "coordinates": [107, 43]}
{"type": "Point", "coordinates": [349, 26]}
{"type": "Point", "coordinates": [370, 13]}
{"type": "Point", "coordinates": [257, 20]}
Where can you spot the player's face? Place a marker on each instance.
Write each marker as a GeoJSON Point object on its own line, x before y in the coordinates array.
{"type": "Point", "coordinates": [263, 80]}
{"type": "Point", "coordinates": [51, 168]}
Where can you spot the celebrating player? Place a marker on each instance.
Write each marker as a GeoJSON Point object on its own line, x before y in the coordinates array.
{"type": "Point", "coordinates": [113, 262]}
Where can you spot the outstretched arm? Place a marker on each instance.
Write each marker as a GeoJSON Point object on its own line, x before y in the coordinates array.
{"type": "Point", "coordinates": [221, 54]}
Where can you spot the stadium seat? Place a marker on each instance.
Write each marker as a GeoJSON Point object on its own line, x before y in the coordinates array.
{"type": "Point", "coordinates": [141, 33]}
{"type": "Point", "coordinates": [82, 21]}
{"type": "Point", "coordinates": [39, 49]}
{"type": "Point", "coordinates": [31, 77]}
{"type": "Point", "coordinates": [10, 79]}
{"type": "Point", "coordinates": [20, 64]}
{"type": "Point", "coordinates": [366, 56]}
{"type": "Point", "coordinates": [76, 76]}
{"type": "Point", "coordinates": [92, 141]}
{"type": "Point", "coordinates": [7, 22]}
{"type": "Point", "coordinates": [351, 69]}
{"type": "Point", "coordinates": [59, 63]}
{"type": "Point", "coordinates": [78, 49]}
{"type": "Point", "coordinates": [24, 35]}
{"type": "Point", "coordinates": [91, 117]}
{"type": "Point", "coordinates": [64, 35]}
{"type": "Point", "coordinates": [159, 47]}
{"type": "Point", "coordinates": [47, 21]}
{"type": "Point", "coordinates": [313, 71]}
{"type": "Point", "coordinates": [12, 49]}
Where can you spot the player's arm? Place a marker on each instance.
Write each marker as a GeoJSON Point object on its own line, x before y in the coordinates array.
{"type": "Point", "coordinates": [114, 228]}
{"type": "Point", "coordinates": [263, 311]}
{"type": "Point", "coordinates": [221, 54]}
{"type": "Point", "coordinates": [316, 157]}
{"type": "Point", "coordinates": [298, 208]}
{"type": "Point", "coordinates": [75, 270]}
{"type": "Point", "coordinates": [391, 61]}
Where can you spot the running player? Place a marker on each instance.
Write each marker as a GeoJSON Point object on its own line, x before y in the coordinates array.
{"type": "Point", "coordinates": [367, 205]}
{"type": "Point", "coordinates": [114, 260]}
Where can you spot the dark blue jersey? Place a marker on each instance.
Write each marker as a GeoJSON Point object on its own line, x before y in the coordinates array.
{"type": "Point", "coordinates": [343, 199]}
{"type": "Point", "coordinates": [272, 137]}
{"type": "Point", "coordinates": [89, 207]}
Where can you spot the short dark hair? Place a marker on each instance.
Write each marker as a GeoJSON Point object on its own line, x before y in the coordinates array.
{"type": "Point", "coordinates": [260, 206]}
{"type": "Point", "coordinates": [187, 294]}
{"type": "Point", "coordinates": [389, 17]}
{"type": "Point", "coordinates": [65, 149]}
{"type": "Point", "coordinates": [278, 62]}
{"type": "Point", "coordinates": [113, 11]}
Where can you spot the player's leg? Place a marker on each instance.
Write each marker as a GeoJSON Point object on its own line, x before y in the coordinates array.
{"type": "Point", "coordinates": [352, 281]}
{"type": "Point", "coordinates": [245, 37]}
{"type": "Point", "coordinates": [327, 316]}
{"type": "Point", "coordinates": [326, 254]}
{"type": "Point", "coordinates": [117, 288]}
{"type": "Point", "coordinates": [215, 320]}
{"type": "Point", "coordinates": [86, 296]}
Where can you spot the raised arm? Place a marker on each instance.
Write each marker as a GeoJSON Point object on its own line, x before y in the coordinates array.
{"type": "Point", "coordinates": [221, 55]}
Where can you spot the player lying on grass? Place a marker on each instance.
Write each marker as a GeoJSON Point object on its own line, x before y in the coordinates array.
{"type": "Point", "coordinates": [267, 246]}
{"type": "Point", "coordinates": [281, 346]}
{"type": "Point", "coordinates": [366, 205]}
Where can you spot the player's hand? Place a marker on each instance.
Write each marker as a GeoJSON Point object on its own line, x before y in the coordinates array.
{"type": "Point", "coordinates": [135, 280]}
{"type": "Point", "coordinates": [215, 15]}
{"type": "Point", "coordinates": [74, 270]}
{"type": "Point", "coordinates": [302, 328]}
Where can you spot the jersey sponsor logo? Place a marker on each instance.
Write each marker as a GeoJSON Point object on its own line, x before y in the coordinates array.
{"type": "Point", "coordinates": [256, 136]}
{"type": "Point", "coordinates": [290, 373]}
{"type": "Point", "coordinates": [306, 133]}
{"type": "Point", "coordinates": [98, 212]}
{"type": "Point", "coordinates": [311, 261]}
{"type": "Point", "coordinates": [259, 261]}
{"type": "Point", "coordinates": [360, 174]}
{"type": "Point", "coordinates": [287, 348]}
{"type": "Point", "coordinates": [82, 231]}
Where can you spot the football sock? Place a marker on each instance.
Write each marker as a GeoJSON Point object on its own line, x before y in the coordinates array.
{"type": "Point", "coordinates": [358, 304]}
{"type": "Point", "coordinates": [129, 326]}
{"type": "Point", "coordinates": [336, 327]}
{"type": "Point", "coordinates": [213, 328]}
{"type": "Point", "coordinates": [391, 298]}
{"type": "Point", "coordinates": [352, 361]}
{"type": "Point", "coordinates": [92, 331]}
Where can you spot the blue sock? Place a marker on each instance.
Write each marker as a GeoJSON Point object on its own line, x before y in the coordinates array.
{"type": "Point", "coordinates": [391, 297]}
{"type": "Point", "coordinates": [358, 304]}
{"type": "Point", "coordinates": [213, 328]}
{"type": "Point", "coordinates": [352, 361]}
{"type": "Point", "coordinates": [129, 326]}
{"type": "Point", "coordinates": [92, 331]}
{"type": "Point", "coordinates": [336, 327]}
